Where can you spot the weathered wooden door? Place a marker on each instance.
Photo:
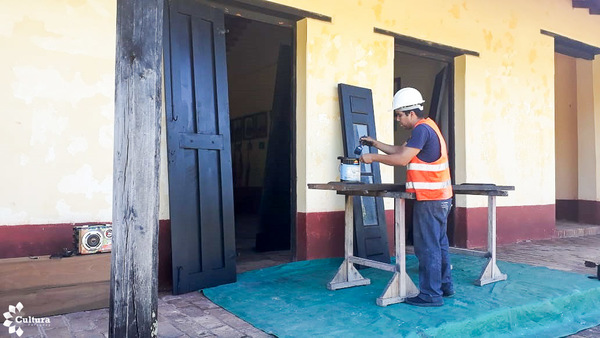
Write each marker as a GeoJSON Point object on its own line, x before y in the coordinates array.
{"type": "Point", "coordinates": [440, 88]}
{"type": "Point", "coordinates": [358, 120]}
{"type": "Point", "coordinates": [440, 110]}
{"type": "Point", "coordinates": [199, 148]}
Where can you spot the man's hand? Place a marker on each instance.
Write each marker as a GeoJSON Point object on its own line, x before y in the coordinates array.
{"type": "Point", "coordinates": [367, 140]}
{"type": "Point", "coordinates": [366, 158]}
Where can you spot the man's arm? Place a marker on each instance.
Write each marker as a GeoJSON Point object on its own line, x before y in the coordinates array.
{"type": "Point", "coordinates": [402, 156]}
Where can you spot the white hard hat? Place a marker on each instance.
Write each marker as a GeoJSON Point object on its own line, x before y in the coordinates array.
{"type": "Point", "coordinates": [407, 99]}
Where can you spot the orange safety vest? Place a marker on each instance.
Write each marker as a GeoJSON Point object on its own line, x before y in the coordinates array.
{"type": "Point", "coordinates": [430, 181]}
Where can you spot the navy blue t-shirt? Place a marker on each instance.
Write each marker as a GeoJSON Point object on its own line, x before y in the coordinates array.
{"type": "Point", "coordinates": [425, 138]}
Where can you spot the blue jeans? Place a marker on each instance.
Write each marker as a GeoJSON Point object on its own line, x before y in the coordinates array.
{"type": "Point", "coordinates": [430, 219]}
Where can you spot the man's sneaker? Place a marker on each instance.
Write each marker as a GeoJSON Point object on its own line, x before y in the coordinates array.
{"type": "Point", "coordinates": [420, 302]}
{"type": "Point", "coordinates": [447, 290]}
{"type": "Point", "coordinates": [448, 293]}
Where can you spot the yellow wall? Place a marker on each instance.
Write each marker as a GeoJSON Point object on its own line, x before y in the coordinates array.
{"type": "Point", "coordinates": [505, 109]}
{"type": "Point", "coordinates": [565, 84]}
{"type": "Point", "coordinates": [57, 66]}
{"type": "Point", "coordinates": [57, 93]}
{"type": "Point", "coordinates": [335, 53]}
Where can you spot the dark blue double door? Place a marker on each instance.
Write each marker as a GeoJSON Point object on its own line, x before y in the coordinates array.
{"type": "Point", "coordinates": [199, 148]}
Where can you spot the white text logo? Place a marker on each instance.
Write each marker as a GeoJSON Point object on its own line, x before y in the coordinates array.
{"type": "Point", "coordinates": [13, 325]}
{"type": "Point", "coordinates": [14, 319]}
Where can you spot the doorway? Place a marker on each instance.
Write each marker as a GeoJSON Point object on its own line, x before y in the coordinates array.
{"type": "Point", "coordinates": [576, 178]}
{"type": "Point", "coordinates": [259, 65]}
{"type": "Point", "coordinates": [228, 81]}
{"type": "Point", "coordinates": [566, 170]}
{"type": "Point", "coordinates": [421, 73]}
{"type": "Point", "coordinates": [575, 147]}
{"type": "Point", "coordinates": [432, 75]}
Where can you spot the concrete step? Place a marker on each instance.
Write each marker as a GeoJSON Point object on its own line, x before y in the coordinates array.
{"type": "Point", "coordinates": [568, 229]}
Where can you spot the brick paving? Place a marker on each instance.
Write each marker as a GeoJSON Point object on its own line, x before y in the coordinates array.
{"type": "Point", "coordinates": [193, 315]}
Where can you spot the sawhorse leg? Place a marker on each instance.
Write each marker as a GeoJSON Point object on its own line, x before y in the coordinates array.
{"type": "Point", "coordinates": [347, 275]}
{"type": "Point", "coordinates": [490, 272]}
{"type": "Point", "coordinates": [400, 286]}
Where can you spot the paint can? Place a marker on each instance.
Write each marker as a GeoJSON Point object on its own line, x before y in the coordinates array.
{"type": "Point", "coordinates": [349, 169]}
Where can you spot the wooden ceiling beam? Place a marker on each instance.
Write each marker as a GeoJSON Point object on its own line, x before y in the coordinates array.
{"type": "Point", "coordinates": [593, 6]}
{"type": "Point", "coordinates": [573, 48]}
{"type": "Point", "coordinates": [580, 4]}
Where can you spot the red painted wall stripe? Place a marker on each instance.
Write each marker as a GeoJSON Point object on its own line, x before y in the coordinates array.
{"type": "Point", "coordinates": [513, 224]}
{"type": "Point", "coordinates": [318, 235]}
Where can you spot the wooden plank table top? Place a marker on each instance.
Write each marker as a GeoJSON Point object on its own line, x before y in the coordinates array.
{"type": "Point", "coordinates": [399, 190]}
{"type": "Point", "coordinates": [365, 189]}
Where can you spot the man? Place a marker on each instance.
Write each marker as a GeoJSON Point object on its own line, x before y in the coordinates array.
{"type": "Point", "coordinates": [428, 176]}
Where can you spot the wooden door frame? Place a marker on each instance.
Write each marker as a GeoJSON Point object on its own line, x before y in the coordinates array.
{"type": "Point", "coordinates": [443, 54]}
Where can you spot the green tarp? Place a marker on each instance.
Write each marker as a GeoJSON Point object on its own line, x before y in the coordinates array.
{"type": "Point", "coordinates": [292, 300]}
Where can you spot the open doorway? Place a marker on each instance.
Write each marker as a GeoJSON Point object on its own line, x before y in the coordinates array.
{"type": "Point", "coordinates": [259, 67]}
{"type": "Point", "coordinates": [566, 174]}
{"type": "Point", "coordinates": [432, 76]}
{"type": "Point", "coordinates": [575, 174]}
{"type": "Point", "coordinates": [577, 211]}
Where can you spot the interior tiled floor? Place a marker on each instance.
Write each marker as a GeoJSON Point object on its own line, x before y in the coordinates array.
{"type": "Point", "coordinates": [247, 258]}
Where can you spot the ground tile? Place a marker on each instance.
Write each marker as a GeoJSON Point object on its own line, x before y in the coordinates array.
{"type": "Point", "coordinates": [253, 332]}
{"type": "Point", "coordinates": [88, 334]}
{"type": "Point", "coordinates": [81, 324]}
{"type": "Point", "coordinates": [167, 298]}
{"type": "Point", "coordinates": [204, 303]}
{"type": "Point", "coordinates": [28, 332]}
{"type": "Point", "coordinates": [234, 321]}
{"type": "Point", "coordinates": [57, 332]}
{"type": "Point", "coordinates": [208, 322]}
{"type": "Point", "coordinates": [188, 326]}
{"type": "Point", "coordinates": [227, 332]}
{"type": "Point", "coordinates": [180, 303]}
{"type": "Point", "coordinates": [191, 296]}
{"type": "Point", "coordinates": [57, 322]}
{"type": "Point", "coordinates": [166, 330]}
{"type": "Point", "coordinates": [101, 325]}
{"type": "Point", "coordinates": [193, 311]}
